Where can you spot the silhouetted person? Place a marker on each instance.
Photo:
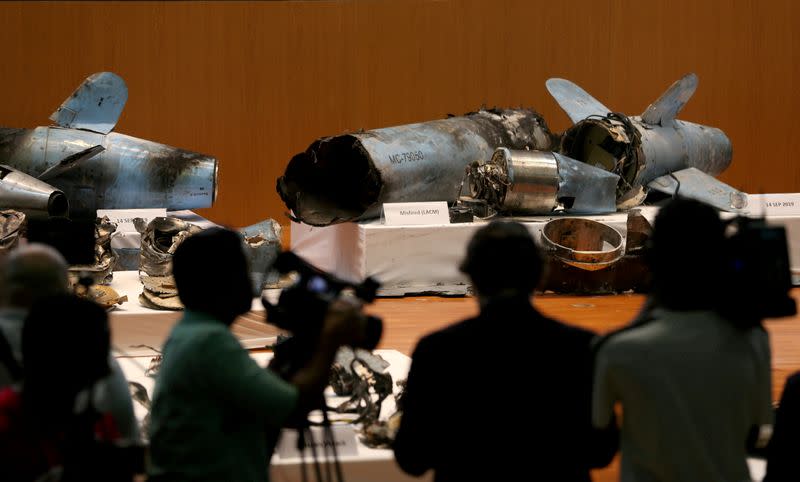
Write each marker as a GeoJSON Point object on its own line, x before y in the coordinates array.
{"type": "Point", "coordinates": [505, 395]}
{"type": "Point", "coordinates": [28, 274]}
{"type": "Point", "coordinates": [692, 385]}
{"type": "Point", "coordinates": [216, 414]}
{"type": "Point", "coordinates": [784, 446]}
{"type": "Point", "coordinates": [48, 425]}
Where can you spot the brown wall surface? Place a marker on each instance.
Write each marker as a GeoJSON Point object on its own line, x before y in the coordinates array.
{"type": "Point", "coordinates": [255, 82]}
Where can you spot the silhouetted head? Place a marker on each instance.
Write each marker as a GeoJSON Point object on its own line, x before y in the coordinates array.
{"type": "Point", "coordinates": [31, 272]}
{"type": "Point", "coordinates": [503, 260]}
{"type": "Point", "coordinates": [687, 255]}
{"type": "Point", "coordinates": [211, 274]}
{"type": "Point", "coordinates": [65, 348]}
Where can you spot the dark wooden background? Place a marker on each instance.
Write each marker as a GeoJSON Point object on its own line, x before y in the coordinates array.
{"type": "Point", "coordinates": [255, 82]}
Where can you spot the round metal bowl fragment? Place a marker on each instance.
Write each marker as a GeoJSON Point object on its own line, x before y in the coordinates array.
{"type": "Point", "coordinates": [582, 243]}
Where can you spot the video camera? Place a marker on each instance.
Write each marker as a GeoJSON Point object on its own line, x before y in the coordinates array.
{"type": "Point", "coordinates": [301, 311]}
{"type": "Point", "coordinates": [758, 269]}
{"type": "Point", "coordinates": [73, 238]}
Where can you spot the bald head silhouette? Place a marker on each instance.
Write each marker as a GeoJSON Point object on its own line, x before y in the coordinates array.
{"type": "Point", "coordinates": [31, 272]}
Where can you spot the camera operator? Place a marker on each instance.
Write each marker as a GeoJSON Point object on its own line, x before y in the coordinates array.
{"type": "Point", "coordinates": [694, 385]}
{"type": "Point", "coordinates": [216, 414]}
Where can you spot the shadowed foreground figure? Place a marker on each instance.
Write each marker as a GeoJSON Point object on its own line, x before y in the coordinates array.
{"type": "Point", "coordinates": [49, 429]}
{"type": "Point", "coordinates": [28, 274]}
{"type": "Point", "coordinates": [784, 447]}
{"type": "Point", "coordinates": [482, 393]}
{"type": "Point", "coordinates": [694, 386]}
{"type": "Point", "coordinates": [217, 414]}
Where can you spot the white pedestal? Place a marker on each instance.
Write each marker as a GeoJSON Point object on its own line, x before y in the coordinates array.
{"type": "Point", "coordinates": [425, 259]}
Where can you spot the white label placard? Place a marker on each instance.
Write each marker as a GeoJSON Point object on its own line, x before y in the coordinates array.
{"type": "Point", "coordinates": [787, 204]}
{"type": "Point", "coordinates": [344, 437]}
{"type": "Point", "coordinates": [407, 214]}
{"type": "Point", "coordinates": [124, 217]}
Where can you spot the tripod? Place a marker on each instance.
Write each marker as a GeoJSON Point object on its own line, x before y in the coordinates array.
{"type": "Point", "coordinates": [305, 439]}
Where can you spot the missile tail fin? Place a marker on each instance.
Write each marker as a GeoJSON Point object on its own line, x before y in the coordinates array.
{"type": "Point", "coordinates": [95, 105]}
{"type": "Point", "coordinates": [575, 101]}
{"type": "Point", "coordinates": [663, 111]}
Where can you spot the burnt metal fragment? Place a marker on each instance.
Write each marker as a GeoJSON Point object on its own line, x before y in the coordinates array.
{"type": "Point", "coordinates": [381, 433]}
{"type": "Point", "coordinates": [361, 375]}
{"type": "Point", "coordinates": [102, 271]}
{"type": "Point", "coordinates": [160, 238]}
{"type": "Point", "coordinates": [105, 296]}
{"type": "Point", "coordinates": [348, 177]}
{"type": "Point", "coordinates": [12, 225]}
{"type": "Point", "coordinates": [139, 395]}
{"type": "Point", "coordinates": [262, 245]}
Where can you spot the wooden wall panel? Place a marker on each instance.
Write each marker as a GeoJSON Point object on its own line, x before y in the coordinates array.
{"type": "Point", "coordinates": [255, 82]}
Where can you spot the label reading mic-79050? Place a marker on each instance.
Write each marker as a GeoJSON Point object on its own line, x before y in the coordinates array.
{"type": "Point", "coordinates": [402, 157]}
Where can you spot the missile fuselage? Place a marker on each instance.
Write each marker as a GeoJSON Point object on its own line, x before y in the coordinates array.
{"type": "Point", "coordinates": [127, 173]}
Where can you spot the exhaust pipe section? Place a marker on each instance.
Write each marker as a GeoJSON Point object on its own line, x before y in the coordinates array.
{"type": "Point", "coordinates": [537, 182]}
{"type": "Point", "coordinates": [348, 177]}
{"type": "Point", "coordinates": [30, 195]}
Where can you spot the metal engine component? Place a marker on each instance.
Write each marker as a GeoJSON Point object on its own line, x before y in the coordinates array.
{"type": "Point", "coordinates": [12, 225]}
{"type": "Point", "coordinates": [617, 272]}
{"type": "Point", "coordinates": [348, 177]}
{"type": "Point", "coordinates": [160, 238]}
{"type": "Point", "coordinates": [537, 182]}
{"type": "Point", "coordinates": [582, 243]}
{"type": "Point", "coordinates": [80, 166]}
{"type": "Point", "coordinates": [30, 195]}
{"type": "Point", "coordinates": [102, 271]}
{"type": "Point", "coordinates": [643, 149]}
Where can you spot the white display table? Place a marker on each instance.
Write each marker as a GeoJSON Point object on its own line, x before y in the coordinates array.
{"type": "Point", "coordinates": [132, 324]}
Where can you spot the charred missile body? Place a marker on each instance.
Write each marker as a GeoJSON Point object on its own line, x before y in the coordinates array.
{"type": "Point", "coordinates": [348, 177]}
{"type": "Point", "coordinates": [82, 164]}
{"type": "Point", "coordinates": [125, 172]}
{"type": "Point", "coordinates": [651, 151]}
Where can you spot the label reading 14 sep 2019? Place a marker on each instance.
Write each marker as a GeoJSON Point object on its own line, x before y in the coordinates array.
{"type": "Point", "coordinates": [787, 204]}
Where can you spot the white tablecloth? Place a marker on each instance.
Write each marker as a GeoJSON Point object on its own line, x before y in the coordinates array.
{"type": "Point", "coordinates": [425, 259]}
{"type": "Point", "coordinates": [132, 324]}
